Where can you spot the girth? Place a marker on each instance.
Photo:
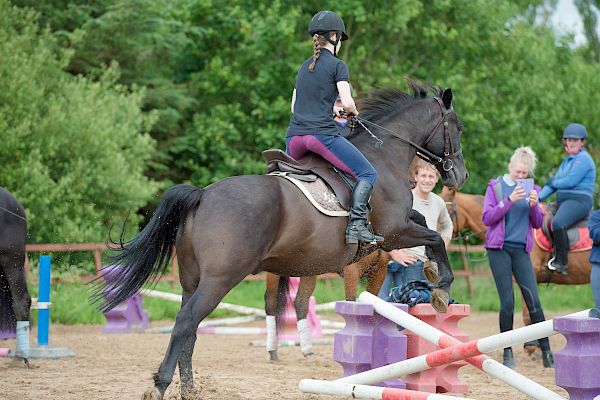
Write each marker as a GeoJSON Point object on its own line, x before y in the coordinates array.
{"type": "Point", "coordinates": [312, 164]}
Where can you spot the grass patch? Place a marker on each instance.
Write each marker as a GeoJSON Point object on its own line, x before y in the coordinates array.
{"type": "Point", "coordinates": [70, 301]}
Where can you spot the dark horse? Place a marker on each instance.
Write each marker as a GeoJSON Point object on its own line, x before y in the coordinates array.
{"type": "Point", "coordinates": [246, 224]}
{"type": "Point", "coordinates": [15, 301]}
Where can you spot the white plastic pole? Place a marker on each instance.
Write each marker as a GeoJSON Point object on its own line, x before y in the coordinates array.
{"type": "Point", "coordinates": [368, 392]}
{"type": "Point", "coordinates": [222, 306]}
{"type": "Point", "coordinates": [443, 340]}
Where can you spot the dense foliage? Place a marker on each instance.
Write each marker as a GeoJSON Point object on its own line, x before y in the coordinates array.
{"type": "Point", "coordinates": [103, 104]}
{"type": "Point", "coordinates": [74, 150]}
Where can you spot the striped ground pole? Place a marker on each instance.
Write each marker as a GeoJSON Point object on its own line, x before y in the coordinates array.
{"type": "Point", "coordinates": [471, 351]}
{"type": "Point", "coordinates": [368, 392]}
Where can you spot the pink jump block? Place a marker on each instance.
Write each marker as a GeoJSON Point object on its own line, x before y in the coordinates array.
{"type": "Point", "coordinates": [441, 379]}
{"type": "Point", "coordinates": [289, 330]}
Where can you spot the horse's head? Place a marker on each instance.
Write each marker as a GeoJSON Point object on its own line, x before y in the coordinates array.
{"type": "Point", "coordinates": [443, 141]}
{"type": "Point", "coordinates": [427, 124]}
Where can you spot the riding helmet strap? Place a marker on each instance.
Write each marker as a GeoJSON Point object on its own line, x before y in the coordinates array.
{"type": "Point", "coordinates": [338, 36]}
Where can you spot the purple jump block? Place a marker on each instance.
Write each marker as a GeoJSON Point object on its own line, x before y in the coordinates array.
{"type": "Point", "coordinates": [577, 366]}
{"type": "Point", "coordinates": [368, 341]}
{"type": "Point", "coordinates": [127, 317]}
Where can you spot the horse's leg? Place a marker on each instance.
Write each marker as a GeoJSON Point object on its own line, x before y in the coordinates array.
{"type": "Point", "coordinates": [186, 372]}
{"type": "Point", "coordinates": [352, 273]}
{"type": "Point", "coordinates": [205, 299]}
{"type": "Point", "coordinates": [272, 284]}
{"type": "Point", "coordinates": [375, 270]}
{"type": "Point", "coordinates": [305, 290]}
{"type": "Point", "coordinates": [188, 277]}
{"type": "Point", "coordinates": [430, 267]}
{"type": "Point", "coordinates": [12, 263]}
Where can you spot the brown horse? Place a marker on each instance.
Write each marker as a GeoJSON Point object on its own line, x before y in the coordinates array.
{"type": "Point", "coordinates": [373, 267]}
{"type": "Point", "coordinates": [465, 211]}
{"type": "Point", "coordinates": [246, 224]}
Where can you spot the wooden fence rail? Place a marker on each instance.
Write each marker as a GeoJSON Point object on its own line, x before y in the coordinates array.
{"type": "Point", "coordinates": [98, 248]}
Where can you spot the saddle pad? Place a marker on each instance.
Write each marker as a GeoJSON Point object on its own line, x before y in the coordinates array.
{"type": "Point", "coordinates": [582, 243]}
{"type": "Point", "coordinates": [319, 195]}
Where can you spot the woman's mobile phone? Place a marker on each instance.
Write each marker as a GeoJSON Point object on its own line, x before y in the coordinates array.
{"type": "Point", "coordinates": [526, 184]}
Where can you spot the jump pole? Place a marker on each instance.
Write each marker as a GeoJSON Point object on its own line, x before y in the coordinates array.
{"type": "Point", "coordinates": [42, 350]}
{"type": "Point", "coordinates": [222, 306]}
{"type": "Point", "coordinates": [368, 392]}
{"type": "Point", "coordinates": [444, 341]}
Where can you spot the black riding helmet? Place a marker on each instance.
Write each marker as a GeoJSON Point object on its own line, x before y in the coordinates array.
{"type": "Point", "coordinates": [324, 22]}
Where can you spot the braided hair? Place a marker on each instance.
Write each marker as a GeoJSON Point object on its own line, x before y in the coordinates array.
{"type": "Point", "coordinates": [318, 42]}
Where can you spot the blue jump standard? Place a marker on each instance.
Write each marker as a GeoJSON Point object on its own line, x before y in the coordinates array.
{"type": "Point", "coordinates": [43, 350]}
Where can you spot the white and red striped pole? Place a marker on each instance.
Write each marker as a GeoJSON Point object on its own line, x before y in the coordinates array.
{"type": "Point", "coordinates": [368, 392]}
{"type": "Point", "coordinates": [462, 350]}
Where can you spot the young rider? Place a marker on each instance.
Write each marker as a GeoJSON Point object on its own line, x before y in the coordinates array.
{"type": "Point", "coordinates": [319, 81]}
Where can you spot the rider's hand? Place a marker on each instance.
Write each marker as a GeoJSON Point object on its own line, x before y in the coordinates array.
{"type": "Point", "coordinates": [351, 113]}
{"type": "Point", "coordinates": [533, 198]}
{"type": "Point", "coordinates": [517, 194]}
{"type": "Point", "coordinates": [337, 111]}
{"type": "Point", "coordinates": [402, 257]}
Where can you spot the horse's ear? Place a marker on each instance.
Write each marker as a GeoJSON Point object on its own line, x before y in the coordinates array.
{"type": "Point", "coordinates": [447, 98]}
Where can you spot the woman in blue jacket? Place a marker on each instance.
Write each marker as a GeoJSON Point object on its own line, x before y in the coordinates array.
{"type": "Point", "coordinates": [574, 187]}
{"type": "Point", "coordinates": [595, 256]}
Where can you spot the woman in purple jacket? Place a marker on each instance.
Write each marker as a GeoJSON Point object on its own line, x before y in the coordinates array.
{"type": "Point", "coordinates": [510, 214]}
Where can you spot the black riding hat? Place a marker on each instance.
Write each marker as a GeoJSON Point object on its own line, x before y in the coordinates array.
{"type": "Point", "coordinates": [327, 21]}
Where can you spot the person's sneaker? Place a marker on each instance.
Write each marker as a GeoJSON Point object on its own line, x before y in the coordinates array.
{"type": "Point", "coordinates": [509, 359]}
{"type": "Point", "coordinates": [548, 359]}
{"type": "Point", "coordinates": [594, 313]}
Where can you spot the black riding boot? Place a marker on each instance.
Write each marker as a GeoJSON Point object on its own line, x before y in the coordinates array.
{"type": "Point", "coordinates": [357, 227]}
{"type": "Point", "coordinates": [561, 250]}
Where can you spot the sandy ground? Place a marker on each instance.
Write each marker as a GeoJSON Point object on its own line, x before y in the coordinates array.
{"type": "Point", "coordinates": [225, 367]}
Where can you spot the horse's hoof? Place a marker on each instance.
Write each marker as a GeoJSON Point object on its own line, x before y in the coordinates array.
{"type": "Point", "coordinates": [152, 394]}
{"type": "Point", "coordinates": [273, 355]}
{"type": "Point", "coordinates": [430, 270]}
{"type": "Point", "coordinates": [309, 353]}
{"type": "Point", "coordinates": [440, 300]}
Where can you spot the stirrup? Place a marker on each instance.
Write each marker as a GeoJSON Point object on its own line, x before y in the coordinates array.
{"type": "Point", "coordinates": [550, 265]}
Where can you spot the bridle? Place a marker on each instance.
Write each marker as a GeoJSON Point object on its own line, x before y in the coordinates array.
{"type": "Point", "coordinates": [444, 162]}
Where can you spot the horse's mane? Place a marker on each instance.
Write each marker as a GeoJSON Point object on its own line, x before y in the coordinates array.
{"type": "Point", "coordinates": [383, 102]}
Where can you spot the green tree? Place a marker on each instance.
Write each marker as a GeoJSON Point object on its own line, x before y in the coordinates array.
{"type": "Point", "coordinates": [74, 150]}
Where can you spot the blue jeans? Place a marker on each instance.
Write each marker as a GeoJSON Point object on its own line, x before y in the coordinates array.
{"type": "Point", "coordinates": [338, 150]}
{"type": "Point", "coordinates": [398, 274]}
{"type": "Point", "coordinates": [595, 283]}
{"type": "Point", "coordinates": [572, 208]}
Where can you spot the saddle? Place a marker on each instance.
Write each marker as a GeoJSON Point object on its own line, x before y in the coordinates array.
{"type": "Point", "coordinates": [308, 168]}
{"type": "Point", "coordinates": [578, 233]}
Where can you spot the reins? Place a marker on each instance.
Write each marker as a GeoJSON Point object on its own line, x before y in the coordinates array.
{"type": "Point", "coordinates": [422, 152]}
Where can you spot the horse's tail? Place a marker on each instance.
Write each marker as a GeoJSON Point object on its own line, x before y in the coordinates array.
{"type": "Point", "coordinates": [283, 290]}
{"type": "Point", "coordinates": [147, 255]}
{"type": "Point", "coordinates": [8, 320]}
